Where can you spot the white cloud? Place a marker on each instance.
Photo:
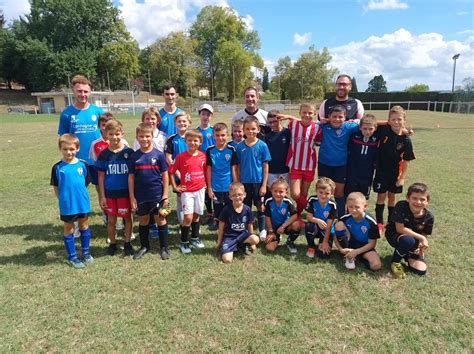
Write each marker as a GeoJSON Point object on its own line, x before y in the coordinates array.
{"type": "Point", "coordinates": [463, 13]}
{"type": "Point", "coordinates": [405, 59]}
{"type": "Point", "coordinates": [248, 20]}
{"type": "Point", "coordinates": [468, 31]}
{"type": "Point", "coordinates": [13, 9]}
{"type": "Point", "coordinates": [301, 39]}
{"type": "Point", "coordinates": [386, 5]}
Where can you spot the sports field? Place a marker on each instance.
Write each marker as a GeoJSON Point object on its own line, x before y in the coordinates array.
{"type": "Point", "coordinates": [264, 302]}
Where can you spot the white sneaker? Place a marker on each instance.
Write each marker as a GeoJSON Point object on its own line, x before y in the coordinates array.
{"type": "Point", "coordinates": [263, 235]}
{"type": "Point", "coordinates": [104, 219]}
{"type": "Point", "coordinates": [197, 243]}
{"type": "Point", "coordinates": [184, 247]}
{"type": "Point", "coordinates": [132, 237]}
{"type": "Point", "coordinates": [350, 264]}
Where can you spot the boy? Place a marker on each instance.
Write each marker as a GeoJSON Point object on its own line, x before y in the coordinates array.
{"type": "Point", "coordinates": [237, 133]}
{"type": "Point", "coordinates": [235, 225]}
{"type": "Point", "coordinates": [301, 157]}
{"type": "Point", "coordinates": [321, 214]}
{"type": "Point", "coordinates": [333, 152]}
{"type": "Point", "coordinates": [70, 178]}
{"type": "Point", "coordinates": [357, 234]}
{"type": "Point", "coordinates": [205, 115]}
{"type": "Point", "coordinates": [394, 154]}
{"type": "Point", "coordinates": [407, 230]}
{"type": "Point", "coordinates": [253, 156]}
{"type": "Point", "coordinates": [280, 217]}
{"type": "Point", "coordinates": [112, 165]}
{"type": "Point", "coordinates": [151, 116]}
{"type": "Point", "coordinates": [148, 188]}
{"type": "Point", "coordinates": [190, 166]}
{"type": "Point", "coordinates": [221, 160]}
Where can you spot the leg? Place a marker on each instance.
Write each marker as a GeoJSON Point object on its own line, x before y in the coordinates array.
{"type": "Point", "coordinates": [374, 260]}
{"type": "Point", "coordinates": [111, 224]}
{"type": "Point", "coordinates": [417, 266]}
{"type": "Point", "coordinates": [391, 203]}
{"type": "Point", "coordinates": [310, 231]}
{"type": "Point", "coordinates": [227, 257]}
{"type": "Point", "coordinates": [340, 200]}
{"type": "Point", "coordinates": [85, 239]}
{"type": "Point", "coordinates": [379, 207]}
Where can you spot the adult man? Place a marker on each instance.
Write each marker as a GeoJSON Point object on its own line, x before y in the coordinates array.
{"type": "Point", "coordinates": [169, 111]}
{"type": "Point", "coordinates": [354, 107]}
{"type": "Point", "coordinates": [251, 108]}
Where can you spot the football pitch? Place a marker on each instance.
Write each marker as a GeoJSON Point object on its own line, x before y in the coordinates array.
{"type": "Point", "coordinates": [263, 302]}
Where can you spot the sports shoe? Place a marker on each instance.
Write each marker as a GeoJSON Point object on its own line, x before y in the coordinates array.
{"type": "Point", "coordinates": [104, 219]}
{"type": "Point", "coordinates": [350, 264]}
{"type": "Point", "coordinates": [88, 259]}
{"type": "Point", "coordinates": [185, 248]}
{"type": "Point", "coordinates": [164, 253]}
{"type": "Point", "coordinates": [140, 253]}
{"type": "Point", "coordinates": [381, 229]}
{"type": "Point", "coordinates": [128, 249]}
{"type": "Point", "coordinates": [154, 233]}
{"type": "Point", "coordinates": [291, 247]}
{"type": "Point", "coordinates": [213, 226]}
{"type": "Point", "coordinates": [132, 237]}
{"type": "Point", "coordinates": [112, 249]}
{"type": "Point", "coordinates": [76, 263]}
{"type": "Point", "coordinates": [248, 250]}
{"type": "Point", "coordinates": [310, 252]}
{"type": "Point", "coordinates": [263, 235]}
{"type": "Point", "coordinates": [197, 243]}
{"type": "Point", "coordinates": [397, 270]}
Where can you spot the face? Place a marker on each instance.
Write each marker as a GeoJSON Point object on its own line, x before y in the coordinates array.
{"type": "Point", "coordinates": [323, 194]}
{"type": "Point", "coordinates": [274, 124]}
{"type": "Point", "coordinates": [102, 127]}
{"type": "Point", "coordinates": [367, 130]}
{"type": "Point", "coordinates": [193, 143]}
{"type": "Point", "coordinates": [81, 92]}
{"type": "Point", "coordinates": [68, 151]}
{"type": "Point", "coordinates": [343, 87]}
{"type": "Point", "coordinates": [221, 137]}
{"type": "Point", "coordinates": [170, 96]}
{"type": "Point", "coordinates": [237, 132]}
{"type": "Point", "coordinates": [418, 202]}
{"type": "Point", "coordinates": [251, 100]}
{"type": "Point", "coordinates": [336, 119]}
{"type": "Point", "coordinates": [356, 208]}
{"type": "Point", "coordinates": [145, 139]}
{"type": "Point", "coordinates": [237, 195]}
{"type": "Point", "coordinates": [251, 130]}
{"type": "Point", "coordinates": [205, 116]}
{"type": "Point", "coordinates": [307, 114]}
{"type": "Point", "coordinates": [396, 122]}
{"type": "Point", "coordinates": [279, 191]}
{"type": "Point", "coordinates": [151, 119]}
{"type": "Point", "coordinates": [182, 123]}
{"type": "Point", "coordinates": [114, 136]}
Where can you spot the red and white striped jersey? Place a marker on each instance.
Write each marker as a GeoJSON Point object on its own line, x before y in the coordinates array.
{"type": "Point", "coordinates": [302, 151]}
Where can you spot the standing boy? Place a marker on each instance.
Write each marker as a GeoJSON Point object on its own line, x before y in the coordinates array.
{"type": "Point", "coordinates": [169, 111]}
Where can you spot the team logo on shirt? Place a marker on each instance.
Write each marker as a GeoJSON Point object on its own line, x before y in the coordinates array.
{"type": "Point", "coordinates": [80, 171]}
{"type": "Point", "coordinates": [364, 229]}
{"type": "Point", "coordinates": [73, 118]}
{"type": "Point", "coordinates": [244, 219]}
{"type": "Point", "coordinates": [187, 177]}
{"type": "Point", "coordinates": [153, 161]}
{"type": "Point", "coordinates": [339, 132]}
{"type": "Point", "coordinates": [125, 155]}
{"type": "Point", "coordinates": [365, 139]}
{"type": "Point", "coordinates": [283, 211]}
{"type": "Point", "coordinates": [208, 135]}
{"type": "Point", "coordinates": [283, 140]}
{"type": "Point", "coordinates": [399, 146]}
{"type": "Point", "coordinates": [94, 117]}
{"type": "Point", "coordinates": [227, 157]}
{"type": "Point", "coordinates": [326, 214]}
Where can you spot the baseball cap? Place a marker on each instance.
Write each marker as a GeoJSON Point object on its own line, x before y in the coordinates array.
{"type": "Point", "coordinates": [206, 106]}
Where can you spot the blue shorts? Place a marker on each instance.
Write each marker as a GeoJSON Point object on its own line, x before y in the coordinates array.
{"type": "Point", "coordinates": [337, 173]}
{"type": "Point", "coordinates": [232, 244]}
{"type": "Point", "coordinates": [92, 170]}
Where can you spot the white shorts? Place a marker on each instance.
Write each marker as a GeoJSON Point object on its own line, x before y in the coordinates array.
{"type": "Point", "coordinates": [193, 202]}
{"type": "Point", "coordinates": [273, 176]}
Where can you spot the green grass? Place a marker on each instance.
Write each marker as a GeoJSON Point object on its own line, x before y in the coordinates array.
{"type": "Point", "coordinates": [265, 302]}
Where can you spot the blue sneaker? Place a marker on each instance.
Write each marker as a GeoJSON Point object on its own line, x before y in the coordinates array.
{"type": "Point", "coordinates": [185, 248]}
{"type": "Point", "coordinates": [76, 263]}
{"type": "Point", "coordinates": [88, 259]}
{"type": "Point", "coordinates": [154, 233]}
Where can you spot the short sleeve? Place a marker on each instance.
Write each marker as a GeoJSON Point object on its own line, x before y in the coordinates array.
{"type": "Point", "coordinates": [131, 164]}
{"type": "Point", "coordinates": [266, 152]}
{"type": "Point", "coordinates": [249, 216]}
{"type": "Point", "coordinates": [309, 205]}
{"type": "Point", "coordinates": [408, 154]}
{"type": "Point", "coordinates": [223, 214]}
{"type": "Point", "coordinates": [332, 212]}
{"type": "Point", "coordinates": [428, 230]}
{"type": "Point", "coordinates": [163, 163]}
{"type": "Point", "coordinates": [64, 124]}
{"type": "Point", "coordinates": [267, 211]}
{"type": "Point", "coordinates": [291, 208]}
{"type": "Point", "coordinates": [233, 160]}
{"type": "Point", "coordinates": [101, 164]}
{"type": "Point", "coordinates": [373, 231]}
{"type": "Point", "coordinates": [169, 145]}
{"type": "Point", "coordinates": [398, 215]}
{"type": "Point", "coordinates": [88, 177]}
{"type": "Point", "coordinates": [54, 177]}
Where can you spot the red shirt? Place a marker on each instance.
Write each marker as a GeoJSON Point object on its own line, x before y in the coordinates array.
{"type": "Point", "coordinates": [97, 147]}
{"type": "Point", "coordinates": [302, 151]}
{"type": "Point", "coordinates": [192, 170]}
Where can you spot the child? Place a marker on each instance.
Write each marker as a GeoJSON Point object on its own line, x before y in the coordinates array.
{"type": "Point", "coordinates": [321, 214]}
{"type": "Point", "coordinates": [221, 160]}
{"type": "Point", "coordinates": [394, 154]}
{"type": "Point", "coordinates": [253, 156]}
{"type": "Point", "coordinates": [191, 167]}
{"type": "Point", "coordinates": [333, 152]}
{"type": "Point", "coordinates": [148, 188]}
{"type": "Point", "coordinates": [113, 185]}
{"type": "Point", "coordinates": [407, 231]}
{"type": "Point", "coordinates": [70, 178]}
{"type": "Point", "coordinates": [205, 115]}
{"type": "Point", "coordinates": [357, 234]}
{"type": "Point", "coordinates": [280, 217]}
{"type": "Point", "coordinates": [235, 225]}
{"type": "Point", "coordinates": [301, 157]}
{"type": "Point", "coordinates": [151, 116]}
{"type": "Point", "coordinates": [237, 133]}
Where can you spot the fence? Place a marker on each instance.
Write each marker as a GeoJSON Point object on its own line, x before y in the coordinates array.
{"type": "Point", "coordinates": [454, 107]}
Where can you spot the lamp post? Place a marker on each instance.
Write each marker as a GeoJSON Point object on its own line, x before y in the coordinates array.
{"type": "Point", "coordinates": [455, 57]}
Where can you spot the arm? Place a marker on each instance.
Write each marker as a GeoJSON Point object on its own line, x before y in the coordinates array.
{"type": "Point", "coordinates": [324, 246]}
{"type": "Point", "coordinates": [287, 117]}
{"type": "Point", "coordinates": [355, 252]}
{"type": "Point", "coordinates": [401, 179]}
{"type": "Point", "coordinates": [102, 199]}
{"type": "Point", "coordinates": [250, 228]}
{"type": "Point", "coordinates": [263, 188]}
{"type": "Point", "coordinates": [56, 192]}
{"type": "Point", "coordinates": [287, 223]}
{"type": "Point", "coordinates": [235, 172]}
{"type": "Point", "coordinates": [210, 193]}
{"type": "Point", "coordinates": [402, 230]}
{"type": "Point", "coordinates": [131, 191]}
{"type": "Point", "coordinates": [270, 232]}
{"type": "Point", "coordinates": [166, 184]}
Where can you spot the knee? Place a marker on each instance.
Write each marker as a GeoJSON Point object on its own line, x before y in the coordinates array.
{"type": "Point", "coordinates": [227, 258]}
{"type": "Point", "coordinates": [295, 226]}
{"type": "Point", "coordinates": [375, 265]}
{"type": "Point", "coordinates": [339, 226]}
{"type": "Point", "coordinates": [309, 227]}
{"type": "Point", "coordinates": [253, 240]}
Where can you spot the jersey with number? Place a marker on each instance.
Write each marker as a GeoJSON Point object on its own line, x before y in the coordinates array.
{"type": "Point", "coordinates": [278, 144]}
{"type": "Point", "coordinates": [159, 141]}
{"type": "Point", "coordinates": [361, 231]}
{"type": "Point", "coordinates": [362, 153]}
{"type": "Point", "coordinates": [393, 150]}
{"type": "Point", "coordinates": [71, 180]}
{"type": "Point", "coordinates": [148, 168]}
{"type": "Point", "coordinates": [279, 213]}
{"type": "Point", "coordinates": [167, 125]}
{"type": "Point", "coordinates": [207, 138]}
{"type": "Point", "coordinates": [221, 162]}
{"type": "Point", "coordinates": [192, 169]}
{"type": "Point", "coordinates": [251, 160]}
{"type": "Point", "coordinates": [175, 145]}
{"type": "Point", "coordinates": [83, 124]}
{"type": "Point", "coordinates": [302, 151]}
{"type": "Point", "coordinates": [333, 149]}
{"type": "Point", "coordinates": [236, 224]}
{"type": "Point", "coordinates": [325, 212]}
{"type": "Point", "coordinates": [354, 108]}
{"type": "Point", "coordinates": [115, 167]}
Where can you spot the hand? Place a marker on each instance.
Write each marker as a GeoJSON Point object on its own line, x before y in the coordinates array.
{"type": "Point", "coordinates": [321, 223]}
{"type": "Point", "coordinates": [345, 251]}
{"type": "Point", "coordinates": [351, 255]}
{"type": "Point", "coordinates": [164, 202]}
{"type": "Point", "coordinates": [133, 203]}
{"type": "Point", "coordinates": [180, 188]}
{"type": "Point", "coordinates": [323, 120]}
{"type": "Point", "coordinates": [263, 190]}
{"type": "Point", "coordinates": [280, 230]}
{"type": "Point", "coordinates": [103, 203]}
{"type": "Point", "coordinates": [218, 244]}
{"type": "Point", "coordinates": [270, 237]}
{"type": "Point", "coordinates": [210, 193]}
{"type": "Point", "coordinates": [400, 182]}
{"type": "Point", "coordinates": [324, 247]}
{"type": "Point", "coordinates": [423, 244]}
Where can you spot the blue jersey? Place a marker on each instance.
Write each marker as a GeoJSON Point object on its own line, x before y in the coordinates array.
{"type": "Point", "coordinates": [278, 214]}
{"type": "Point", "coordinates": [167, 121]}
{"type": "Point", "coordinates": [278, 143]}
{"type": "Point", "coordinates": [71, 180]}
{"type": "Point", "coordinates": [233, 144]}
{"type": "Point", "coordinates": [236, 224]}
{"type": "Point", "coordinates": [115, 167]}
{"type": "Point", "coordinates": [362, 153]}
{"type": "Point", "coordinates": [207, 138]}
{"type": "Point", "coordinates": [175, 145]}
{"type": "Point", "coordinates": [221, 162]}
{"type": "Point", "coordinates": [325, 212]}
{"type": "Point", "coordinates": [251, 159]}
{"type": "Point", "coordinates": [361, 231]}
{"type": "Point", "coordinates": [333, 149]}
{"type": "Point", "coordinates": [84, 124]}
{"type": "Point", "coordinates": [148, 168]}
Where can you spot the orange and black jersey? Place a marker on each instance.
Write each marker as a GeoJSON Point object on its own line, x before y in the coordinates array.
{"type": "Point", "coordinates": [393, 150]}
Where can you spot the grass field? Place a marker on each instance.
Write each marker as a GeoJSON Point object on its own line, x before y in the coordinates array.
{"type": "Point", "coordinates": [264, 302]}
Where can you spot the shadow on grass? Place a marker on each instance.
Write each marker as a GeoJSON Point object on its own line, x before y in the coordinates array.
{"type": "Point", "coordinates": [43, 232]}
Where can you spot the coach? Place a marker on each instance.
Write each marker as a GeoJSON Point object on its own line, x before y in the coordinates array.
{"type": "Point", "coordinates": [251, 107]}
{"type": "Point", "coordinates": [169, 111]}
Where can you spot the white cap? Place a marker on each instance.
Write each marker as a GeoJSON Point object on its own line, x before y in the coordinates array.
{"type": "Point", "coordinates": [206, 106]}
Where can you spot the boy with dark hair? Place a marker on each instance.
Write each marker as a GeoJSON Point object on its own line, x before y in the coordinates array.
{"type": "Point", "coordinates": [169, 111]}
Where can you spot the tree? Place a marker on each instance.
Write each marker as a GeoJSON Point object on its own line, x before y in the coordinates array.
{"type": "Point", "coordinates": [2, 19]}
{"type": "Point", "coordinates": [377, 84]}
{"type": "Point", "coordinates": [354, 85]}
{"type": "Point", "coordinates": [417, 88]}
{"type": "Point", "coordinates": [265, 82]}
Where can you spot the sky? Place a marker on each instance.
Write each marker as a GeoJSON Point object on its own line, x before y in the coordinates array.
{"type": "Point", "coordinates": [406, 41]}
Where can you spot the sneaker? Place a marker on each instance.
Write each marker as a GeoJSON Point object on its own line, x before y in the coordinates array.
{"type": "Point", "coordinates": [164, 253]}
{"type": "Point", "coordinates": [112, 249]}
{"type": "Point", "coordinates": [185, 248]}
{"type": "Point", "coordinates": [381, 229]}
{"type": "Point", "coordinates": [248, 250]}
{"type": "Point", "coordinates": [128, 249]}
{"type": "Point", "coordinates": [76, 263]}
{"type": "Point", "coordinates": [310, 252]}
{"type": "Point", "coordinates": [154, 231]}
{"type": "Point", "coordinates": [263, 235]}
{"type": "Point", "coordinates": [397, 270]}
{"type": "Point", "coordinates": [140, 253]}
{"type": "Point", "coordinates": [291, 247]}
{"type": "Point", "coordinates": [88, 259]}
{"type": "Point", "coordinates": [132, 237]}
{"type": "Point", "coordinates": [213, 226]}
{"type": "Point", "coordinates": [119, 226]}
{"type": "Point", "coordinates": [350, 264]}
{"type": "Point", "coordinates": [197, 243]}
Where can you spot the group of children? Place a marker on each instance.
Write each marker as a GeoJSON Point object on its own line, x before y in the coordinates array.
{"type": "Point", "coordinates": [261, 166]}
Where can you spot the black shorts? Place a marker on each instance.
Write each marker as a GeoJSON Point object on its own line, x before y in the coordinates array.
{"type": "Point", "coordinates": [337, 173]}
{"type": "Point", "coordinates": [278, 236]}
{"type": "Point", "coordinates": [147, 208]}
{"type": "Point", "coordinates": [253, 194]}
{"type": "Point", "coordinates": [221, 198]}
{"type": "Point", "coordinates": [73, 218]}
{"type": "Point", "coordinates": [361, 187]}
{"type": "Point", "coordinates": [386, 182]}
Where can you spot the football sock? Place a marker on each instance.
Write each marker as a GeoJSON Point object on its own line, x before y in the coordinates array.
{"type": "Point", "coordinates": [85, 241]}
{"type": "Point", "coordinates": [70, 247]}
{"type": "Point", "coordinates": [293, 235]}
{"type": "Point", "coordinates": [143, 231]}
{"type": "Point", "coordinates": [301, 204]}
{"type": "Point", "coordinates": [208, 203]}
{"type": "Point", "coordinates": [341, 237]}
{"type": "Point", "coordinates": [341, 206]}
{"type": "Point", "coordinates": [390, 211]}
{"type": "Point", "coordinates": [379, 213]}
{"type": "Point", "coordinates": [185, 233]}
{"type": "Point", "coordinates": [195, 229]}
{"type": "Point", "coordinates": [261, 220]}
{"type": "Point", "coordinates": [403, 246]}
{"type": "Point", "coordinates": [163, 229]}
{"type": "Point", "coordinates": [309, 231]}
